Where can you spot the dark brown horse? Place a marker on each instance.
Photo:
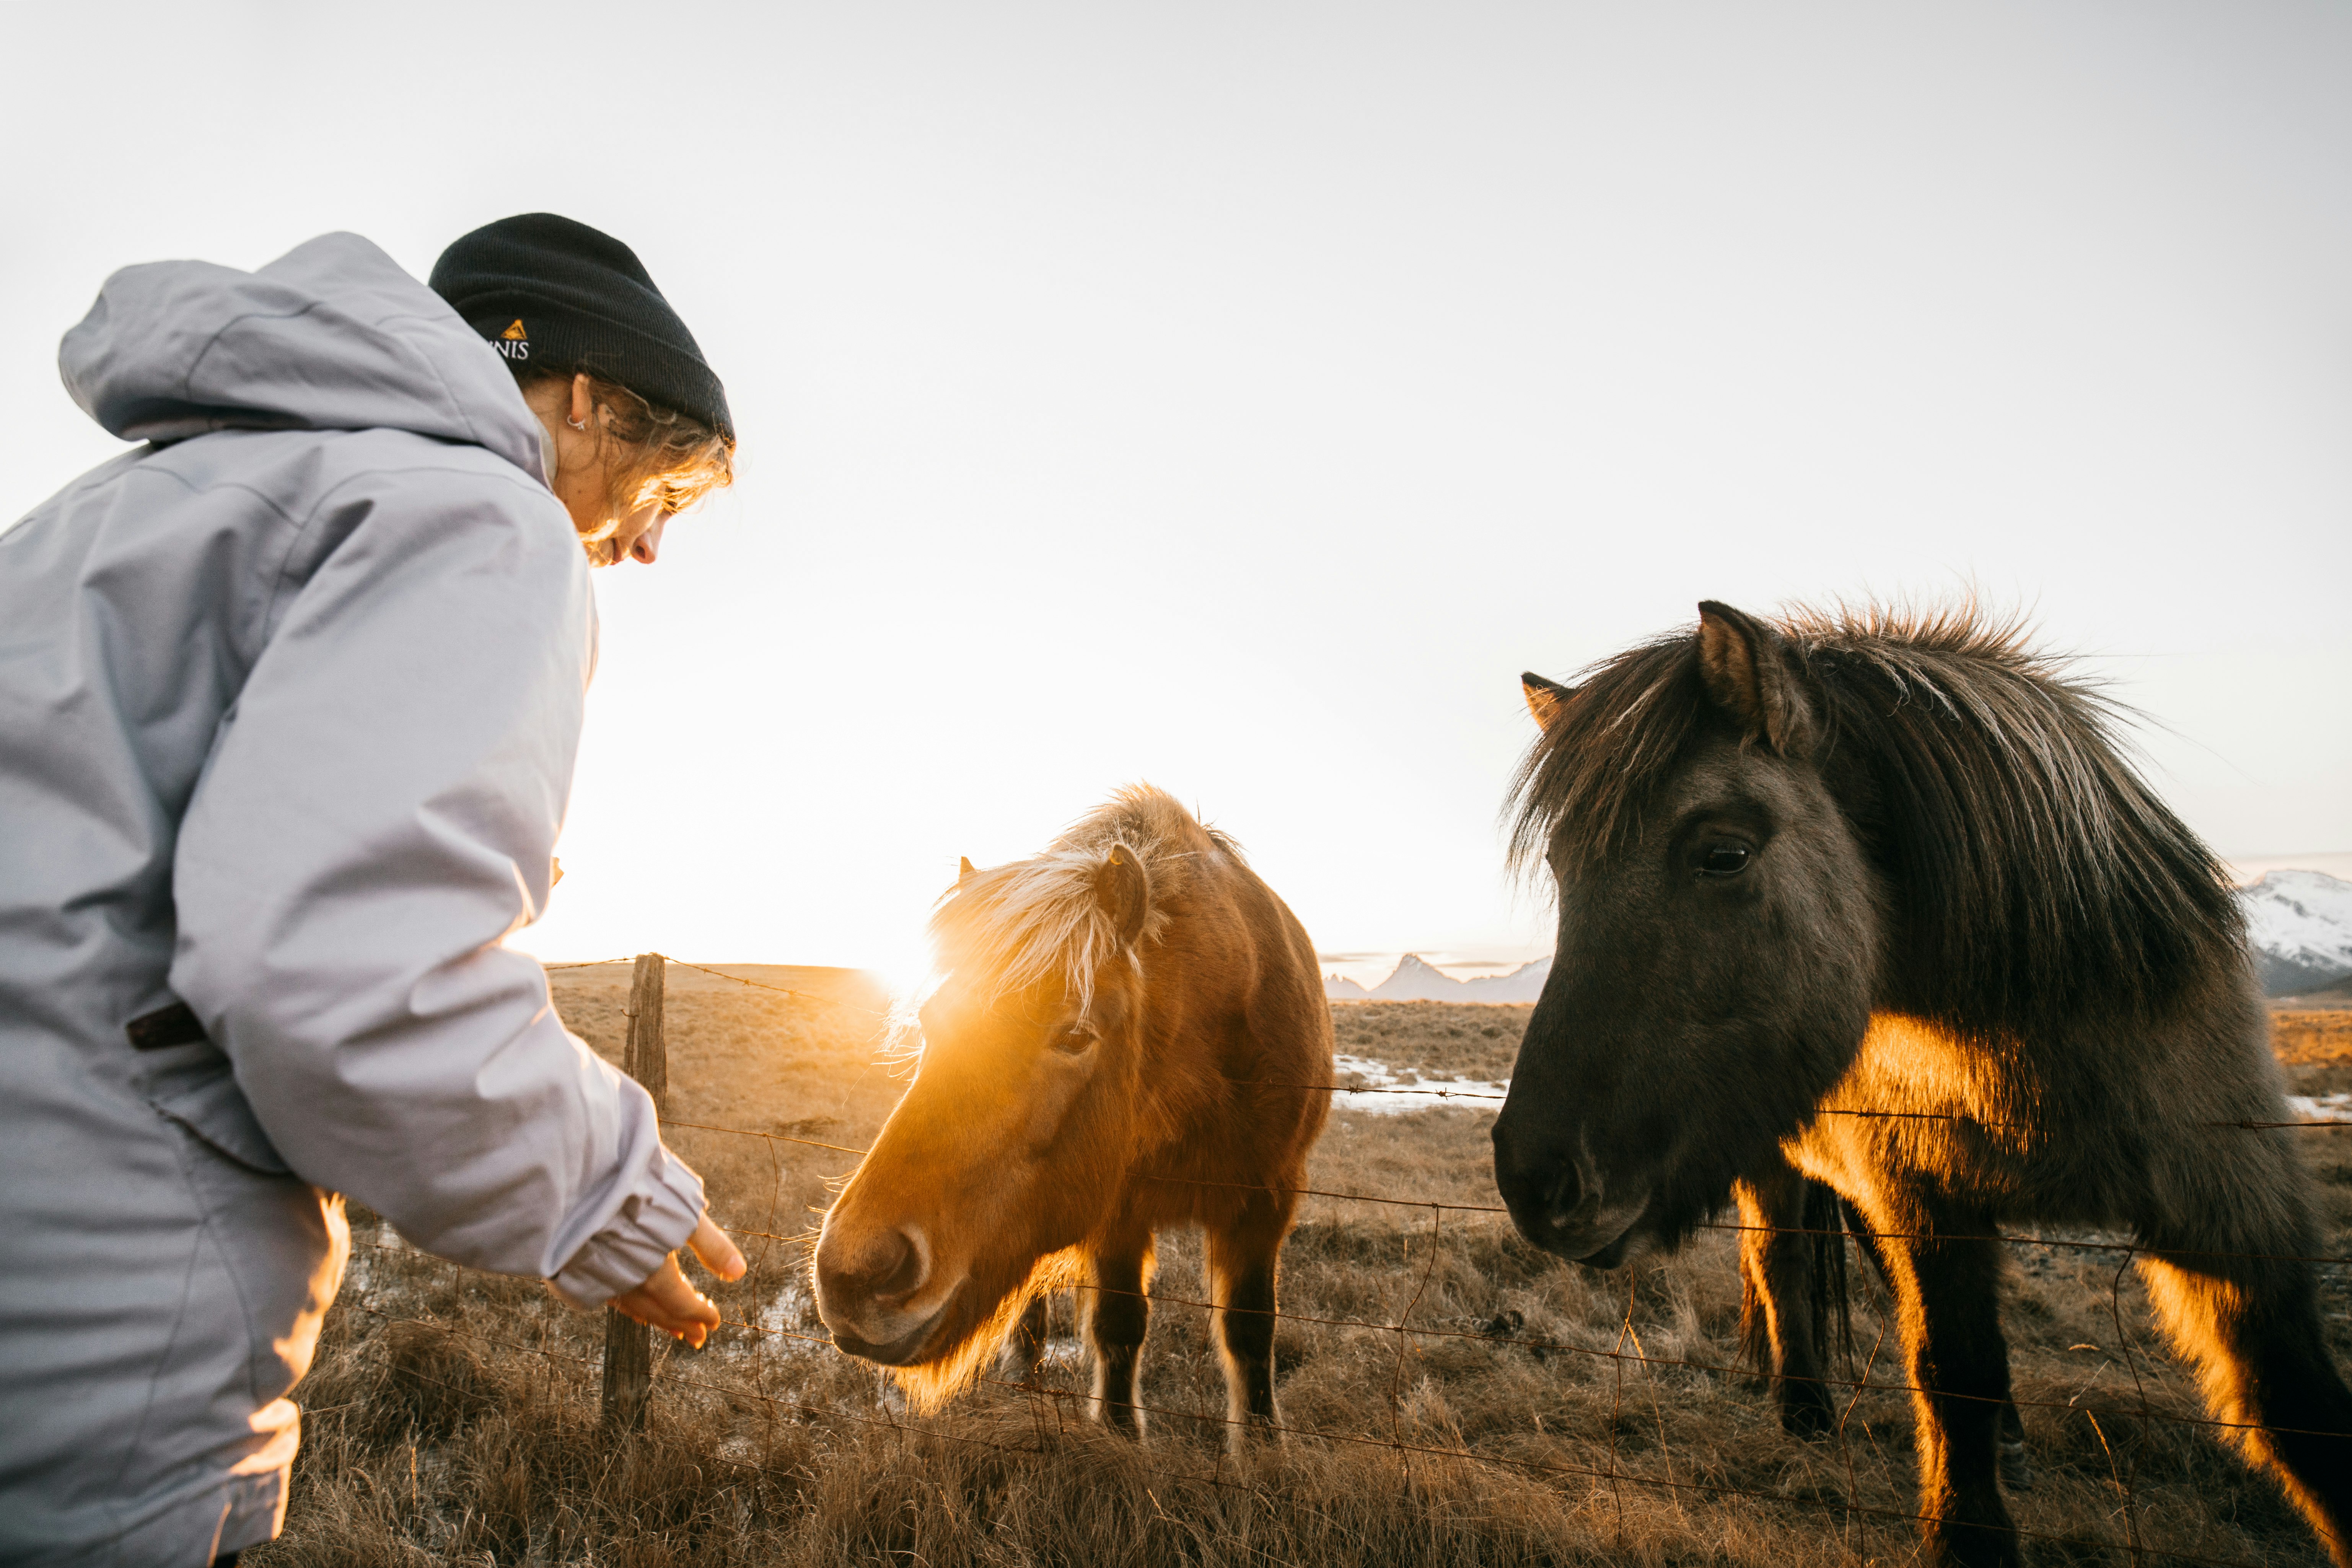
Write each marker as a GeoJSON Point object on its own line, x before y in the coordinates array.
{"type": "Point", "coordinates": [1123, 1039]}
{"type": "Point", "coordinates": [1878, 893]}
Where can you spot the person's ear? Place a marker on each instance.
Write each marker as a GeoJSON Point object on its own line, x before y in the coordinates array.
{"type": "Point", "coordinates": [583, 403]}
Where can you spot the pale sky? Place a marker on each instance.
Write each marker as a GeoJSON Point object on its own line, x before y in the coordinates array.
{"type": "Point", "coordinates": [1238, 397]}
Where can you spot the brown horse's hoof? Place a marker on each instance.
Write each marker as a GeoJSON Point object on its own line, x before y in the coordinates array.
{"type": "Point", "coordinates": [2016, 1469]}
{"type": "Point", "coordinates": [1808, 1414]}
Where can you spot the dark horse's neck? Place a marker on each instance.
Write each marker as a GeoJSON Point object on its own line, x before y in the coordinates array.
{"type": "Point", "coordinates": [2030, 875]}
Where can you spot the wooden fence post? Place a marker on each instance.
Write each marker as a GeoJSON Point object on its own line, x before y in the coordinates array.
{"type": "Point", "coordinates": [629, 1344]}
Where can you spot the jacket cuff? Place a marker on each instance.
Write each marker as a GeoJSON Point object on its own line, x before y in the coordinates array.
{"type": "Point", "coordinates": [652, 1223]}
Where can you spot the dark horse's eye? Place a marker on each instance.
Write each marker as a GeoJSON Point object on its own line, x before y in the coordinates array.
{"type": "Point", "coordinates": [1073, 1042]}
{"type": "Point", "coordinates": [1723, 859]}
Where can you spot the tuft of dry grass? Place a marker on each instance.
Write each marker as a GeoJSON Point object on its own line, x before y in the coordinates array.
{"type": "Point", "coordinates": [1536, 1413]}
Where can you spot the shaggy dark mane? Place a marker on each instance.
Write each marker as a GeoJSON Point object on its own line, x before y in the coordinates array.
{"type": "Point", "coordinates": [2030, 867]}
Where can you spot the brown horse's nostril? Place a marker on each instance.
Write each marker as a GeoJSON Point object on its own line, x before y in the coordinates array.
{"type": "Point", "coordinates": [905, 1273]}
{"type": "Point", "coordinates": [886, 1265]}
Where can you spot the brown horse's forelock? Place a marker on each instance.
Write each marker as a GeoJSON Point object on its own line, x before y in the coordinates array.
{"type": "Point", "coordinates": [2030, 869]}
{"type": "Point", "coordinates": [1030, 921]}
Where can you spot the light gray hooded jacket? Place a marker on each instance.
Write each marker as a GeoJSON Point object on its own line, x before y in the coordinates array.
{"type": "Point", "coordinates": [289, 702]}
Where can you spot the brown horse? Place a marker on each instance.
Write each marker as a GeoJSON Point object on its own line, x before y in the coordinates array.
{"type": "Point", "coordinates": [1878, 893]}
{"type": "Point", "coordinates": [1123, 1039]}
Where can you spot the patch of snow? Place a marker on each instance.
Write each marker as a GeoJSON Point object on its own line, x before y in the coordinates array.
{"type": "Point", "coordinates": [1379, 1088]}
{"type": "Point", "coordinates": [789, 1311]}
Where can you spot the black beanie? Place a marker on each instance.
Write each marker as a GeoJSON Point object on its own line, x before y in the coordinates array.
{"type": "Point", "coordinates": [546, 290]}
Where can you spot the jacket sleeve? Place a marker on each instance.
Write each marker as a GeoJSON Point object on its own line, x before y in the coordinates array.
{"type": "Point", "coordinates": [378, 815]}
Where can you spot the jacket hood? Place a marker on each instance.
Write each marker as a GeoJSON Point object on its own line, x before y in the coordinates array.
{"type": "Point", "coordinates": [330, 336]}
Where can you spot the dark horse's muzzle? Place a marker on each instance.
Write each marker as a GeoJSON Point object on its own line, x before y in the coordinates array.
{"type": "Point", "coordinates": [1557, 1195]}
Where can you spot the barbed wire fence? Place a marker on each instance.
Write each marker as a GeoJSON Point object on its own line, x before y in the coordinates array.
{"type": "Point", "coordinates": [627, 1372]}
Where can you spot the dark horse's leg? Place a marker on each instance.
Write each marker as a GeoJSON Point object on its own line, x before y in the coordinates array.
{"type": "Point", "coordinates": [1946, 1277]}
{"type": "Point", "coordinates": [2016, 1468]}
{"type": "Point", "coordinates": [2252, 1326]}
{"type": "Point", "coordinates": [1243, 1259]}
{"type": "Point", "coordinates": [1784, 1315]}
{"type": "Point", "coordinates": [1117, 1317]}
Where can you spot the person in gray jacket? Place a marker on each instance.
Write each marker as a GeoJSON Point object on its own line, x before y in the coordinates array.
{"type": "Point", "coordinates": [290, 696]}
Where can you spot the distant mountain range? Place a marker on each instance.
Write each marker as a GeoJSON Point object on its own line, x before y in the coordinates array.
{"type": "Point", "coordinates": [2299, 924]}
{"type": "Point", "coordinates": [1416, 979]}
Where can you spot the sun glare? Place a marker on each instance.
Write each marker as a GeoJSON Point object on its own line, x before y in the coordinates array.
{"type": "Point", "coordinates": [906, 970]}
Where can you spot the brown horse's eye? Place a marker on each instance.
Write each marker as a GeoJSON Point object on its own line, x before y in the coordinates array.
{"type": "Point", "coordinates": [1073, 1042]}
{"type": "Point", "coordinates": [1723, 860]}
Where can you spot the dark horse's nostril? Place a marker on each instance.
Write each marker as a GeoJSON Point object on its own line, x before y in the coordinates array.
{"type": "Point", "coordinates": [1560, 1197]}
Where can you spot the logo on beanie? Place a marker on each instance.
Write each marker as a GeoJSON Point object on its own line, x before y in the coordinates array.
{"type": "Point", "coordinates": [514, 342]}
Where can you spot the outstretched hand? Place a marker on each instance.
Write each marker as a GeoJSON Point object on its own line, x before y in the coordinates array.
{"type": "Point", "coordinates": [666, 1301]}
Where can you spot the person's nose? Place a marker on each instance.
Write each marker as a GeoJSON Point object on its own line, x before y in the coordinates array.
{"type": "Point", "coordinates": [648, 545]}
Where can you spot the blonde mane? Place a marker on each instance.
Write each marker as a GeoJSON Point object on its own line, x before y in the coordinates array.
{"type": "Point", "coordinates": [1034, 921]}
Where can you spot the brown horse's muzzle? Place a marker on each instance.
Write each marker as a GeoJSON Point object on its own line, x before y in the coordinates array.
{"type": "Point", "coordinates": [876, 1292]}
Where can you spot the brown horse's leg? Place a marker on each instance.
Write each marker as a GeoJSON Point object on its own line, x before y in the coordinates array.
{"type": "Point", "coordinates": [1243, 1261]}
{"type": "Point", "coordinates": [1026, 1348]}
{"type": "Point", "coordinates": [2252, 1327]}
{"type": "Point", "coordinates": [1117, 1317]}
{"type": "Point", "coordinates": [1948, 1290]}
{"type": "Point", "coordinates": [1780, 1329]}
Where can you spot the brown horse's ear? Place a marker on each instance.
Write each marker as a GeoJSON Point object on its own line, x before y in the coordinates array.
{"type": "Point", "coordinates": [1546, 699]}
{"type": "Point", "coordinates": [965, 869]}
{"type": "Point", "coordinates": [1745, 668]}
{"type": "Point", "coordinates": [1123, 889]}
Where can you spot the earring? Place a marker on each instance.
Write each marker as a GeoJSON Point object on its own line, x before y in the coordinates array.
{"type": "Point", "coordinates": [576, 424]}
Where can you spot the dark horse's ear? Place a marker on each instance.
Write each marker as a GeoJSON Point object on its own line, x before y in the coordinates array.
{"type": "Point", "coordinates": [965, 869]}
{"type": "Point", "coordinates": [1546, 699]}
{"type": "Point", "coordinates": [1747, 673]}
{"type": "Point", "coordinates": [1123, 889]}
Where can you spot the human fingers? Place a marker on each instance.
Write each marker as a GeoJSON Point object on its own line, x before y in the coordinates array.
{"type": "Point", "coordinates": [716, 1252]}
{"type": "Point", "coordinates": [666, 1301]}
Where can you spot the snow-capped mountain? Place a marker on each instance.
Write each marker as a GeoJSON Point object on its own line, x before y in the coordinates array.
{"type": "Point", "coordinates": [2299, 924]}
{"type": "Point", "coordinates": [1415, 979]}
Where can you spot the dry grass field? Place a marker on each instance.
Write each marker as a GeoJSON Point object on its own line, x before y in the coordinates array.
{"type": "Point", "coordinates": [453, 1418]}
{"type": "Point", "coordinates": [2314, 1043]}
